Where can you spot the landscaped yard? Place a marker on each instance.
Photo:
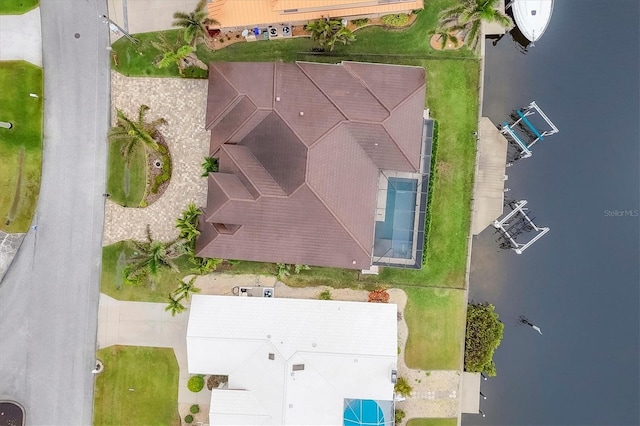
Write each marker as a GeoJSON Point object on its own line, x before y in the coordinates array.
{"type": "Point", "coordinates": [114, 259]}
{"type": "Point", "coordinates": [126, 180]}
{"type": "Point", "coordinates": [139, 386]}
{"type": "Point", "coordinates": [16, 7]}
{"type": "Point", "coordinates": [436, 316]}
{"type": "Point", "coordinates": [20, 146]}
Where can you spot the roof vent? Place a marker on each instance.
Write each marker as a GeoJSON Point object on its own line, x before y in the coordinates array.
{"type": "Point", "coordinates": [277, 98]}
{"type": "Point", "coordinates": [301, 113]}
{"type": "Point", "coordinates": [533, 13]}
{"type": "Point", "coordinates": [272, 356]}
{"type": "Point", "coordinates": [354, 262]}
{"type": "Point", "coordinates": [298, 367]}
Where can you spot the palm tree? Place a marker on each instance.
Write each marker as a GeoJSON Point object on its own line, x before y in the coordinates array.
{"type": "Point", "coordinates": [136, 132]}
{"type": "Point", "coordinates": [328, 32]}
{"type": "Point", "coordinates": [174, 53]}
{"type": "Point", "coordinates": [194, 23]}
{"type": "Point", "coordinates": [468, 17]}
{"type": "Point", "coordinates": [187, 223]}
{"type": "Point", "coordinates": [150, 256]}
{"type": "Point", "coordinates": [445, 35]}
{"type": "Point", "coordinates": [174, 306]}
{"type": "Point", "coordinates": [210, 165]}
{"type": "Point", "coordinates": [186, 289]}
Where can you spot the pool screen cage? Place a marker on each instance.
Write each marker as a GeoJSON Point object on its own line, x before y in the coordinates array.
{"type": "Point", "coordinates": [367, 412]}
{"type": "Point", "coordinates": [401, 212]}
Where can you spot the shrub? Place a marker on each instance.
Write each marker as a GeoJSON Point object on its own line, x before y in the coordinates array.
{"type": "Point", "coordinates": [210, 165]}
{"type": "Point", "coordinates": [360, 22]}
{"type": "Point", "coordinates": [379, 296]}
{"type": "Point", "coordinates": [195, 383]}
{"type": "Point", "coordinates": [188, 418]}
{"type": "Point", "coordinates": [214, 380]}
{"type": "Point", "coordinates": [432, 181]}
{"type": "Point", "coordinates": [483, 336]}
{"type": "Point", "coordinates": [166, 171]}
{"type": "Point", "coordinates": [402, 387]}
{"type": "Point", "coordinates": [195, 408]}
{"type": "Point", "coordinates": [325, 295]}
{"type": "Point", "coordinates": [399, 20]}
{"type": "Point", "coordinates": [399, 416]}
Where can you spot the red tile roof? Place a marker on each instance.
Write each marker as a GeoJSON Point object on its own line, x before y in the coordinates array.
{"type": "Point", "coordinates": [300, 148]}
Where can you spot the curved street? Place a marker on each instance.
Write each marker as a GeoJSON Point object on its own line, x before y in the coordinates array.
{"type": "Point", "coordinates": [49, 296]}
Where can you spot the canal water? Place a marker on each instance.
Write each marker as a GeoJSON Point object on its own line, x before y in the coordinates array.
{"type": "Point", "coordinates": [580, 282]}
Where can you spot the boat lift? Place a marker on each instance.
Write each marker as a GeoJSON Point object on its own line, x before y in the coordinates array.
{"type": "Point", "coordinates": [524, 133]}
{"type": "Point", "coordinates": [521, 223]}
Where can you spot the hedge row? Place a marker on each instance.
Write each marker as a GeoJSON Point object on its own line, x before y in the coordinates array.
{"type": "Point", "coordinates": [432, 180]}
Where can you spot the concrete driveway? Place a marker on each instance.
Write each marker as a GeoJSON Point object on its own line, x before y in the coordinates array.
{"type": "Point", "coordinates": [21, 37]}
{"type": "Point", "coordinates": [148, 324]}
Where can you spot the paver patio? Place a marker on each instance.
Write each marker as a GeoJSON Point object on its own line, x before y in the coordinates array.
{"type": "Point", "coordinates": [182, 102]}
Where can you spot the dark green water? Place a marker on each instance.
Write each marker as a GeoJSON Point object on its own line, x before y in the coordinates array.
{"type": "Point", "coordinates": [579, 283]}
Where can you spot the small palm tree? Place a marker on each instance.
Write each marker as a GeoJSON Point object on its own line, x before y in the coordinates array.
{"type": "Point", "coordinates": [446, 35]}
{"type": "Point", "coordinates": [194, 23]}
{"type": "Point", "coordinates": [185, 289]}
{"type": "Point", "coordinates": [176, 53]}
{"type": "Point", "coordinates": [328, 32]}
{"type": "Point", "coordinates": [468, 16]}
{"type": "Point", "coordinates": [210, 165]}
{"type": "Point", "coordinates": [134, 133]}
{"type": "Point", "coordinates": [150, 257]}
{"type": "Point", "coordinates": [174, 306]}
{"type": "Point", "coordinates": [187, 223]}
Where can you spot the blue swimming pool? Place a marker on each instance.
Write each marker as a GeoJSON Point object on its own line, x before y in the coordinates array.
{"type": "Point", "coordinates": [394, 236]}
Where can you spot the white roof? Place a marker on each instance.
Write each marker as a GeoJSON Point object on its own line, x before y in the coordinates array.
{"type": "Point", "coordinates": [347, 348]}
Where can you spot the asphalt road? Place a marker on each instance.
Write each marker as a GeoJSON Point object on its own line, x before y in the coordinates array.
{"type": "Point", "coordinates": [49, 297]}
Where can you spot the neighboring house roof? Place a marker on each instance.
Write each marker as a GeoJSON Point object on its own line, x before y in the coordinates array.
{"type": "Point", "coordinates": [291, 361]}
{"type": "Point", "coordinates": [234, 13]}
{"type": "Point", "coordinates": [300, 149]}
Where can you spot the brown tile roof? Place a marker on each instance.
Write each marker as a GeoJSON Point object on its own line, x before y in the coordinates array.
{"type": "Point", "coordinates": [302, 188]}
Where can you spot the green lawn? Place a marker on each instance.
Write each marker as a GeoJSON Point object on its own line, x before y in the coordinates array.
{"type": "Point", "coordinates": [433, 422]}
{"type": "Point", "coordinates": [17, 7]}
{"type": "Point", "coordinates": [22, 144]}
{"type": "Point", "coordinates": [436, 320]}
{"type": "Point", "coordinates": [126, 181]}
{"type": "Point", "coordinates": [139, 386]}
{"type": "Point", "coordinates": [114, 259]}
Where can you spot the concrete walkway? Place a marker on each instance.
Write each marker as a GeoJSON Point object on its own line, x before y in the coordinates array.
{"type": "Point", "coordinates": [182, 102]}
{"type": "Point", "coordinates": [21, 37]}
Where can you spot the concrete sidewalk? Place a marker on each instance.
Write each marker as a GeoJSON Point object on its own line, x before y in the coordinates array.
{"type": "Point", "coordinates": [21, 37]}
{"type": "Point", "coordinates": [148, 324]}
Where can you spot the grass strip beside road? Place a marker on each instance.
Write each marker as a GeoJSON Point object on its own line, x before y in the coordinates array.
{"type": "Point", "coordinates": [139, 386]}
{"type": "Point", "coordinates": [20, 186]}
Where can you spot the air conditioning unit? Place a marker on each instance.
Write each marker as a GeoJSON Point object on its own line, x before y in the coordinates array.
{"type": "Point", "coordinates": [256, 291]}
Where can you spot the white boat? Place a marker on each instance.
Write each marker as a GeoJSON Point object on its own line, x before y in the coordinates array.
{"type": "Point", "coordinates": [532, 17]}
